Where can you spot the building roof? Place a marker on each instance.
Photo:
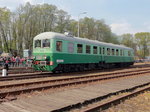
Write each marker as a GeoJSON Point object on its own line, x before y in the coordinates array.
{"type": "Point", "coordinates": [52, 35]}
{"type": "Point", "coordinates": [6, 55]}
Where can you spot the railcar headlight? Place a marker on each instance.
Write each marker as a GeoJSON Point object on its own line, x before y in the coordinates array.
{"type": "Point", "coordinates": [33, 57]}
{"type": "Point", "coordinates": [45, 57]}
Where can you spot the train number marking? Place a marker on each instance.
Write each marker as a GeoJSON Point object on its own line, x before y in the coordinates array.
{"type": "Point", "coordinates": [60, 61]}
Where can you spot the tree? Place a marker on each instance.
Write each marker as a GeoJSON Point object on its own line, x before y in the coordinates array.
{"type": "Point", "coordinates": [114, 39]}
{"type": "Point", "coordinates": [72, 27]}
{"type": "Point", "coordinates": [128, 40]}
{"type": "Point", "coordinates": [103, 31]}
{"type": "Point", "coordinates": [30, 20]}
{"type": "Point", "coordinates": [5, 28]}
{"type": "Point", "coordinates": [18, 28]}
{"type": "Point", "coordinates": [96, 30]}
{"type": "Point", "coordinates": [62, 21]}
{"type": "Point", "coordinates": [143, 40]}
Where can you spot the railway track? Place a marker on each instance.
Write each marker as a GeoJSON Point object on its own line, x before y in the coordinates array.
{"type": "Point", "coordinates": [101, 103]}
{"type": "Point", "coordinates": [16, 89]}
{"type": "Point", "coordinates": [105, 75]}
{"type": "Point", "coordinates": [18, 70]}
{"type": "Point", "coordinates": [28, 76]}
{"type": "Point", "coordinates": [32, 74]}
{"type": "Point", "coordinates": [114, 101]}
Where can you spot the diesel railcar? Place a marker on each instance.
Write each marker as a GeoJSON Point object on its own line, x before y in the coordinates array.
{"type": "Point", "coordinates": [65, 53]}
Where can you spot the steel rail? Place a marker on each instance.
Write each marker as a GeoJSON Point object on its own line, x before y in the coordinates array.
{"type": "Point", "coordinates": [17, 68]}
{"type": "Point", "coordinates": [18, 72]}
{"type": "Point", "coordinates": [28, 76]}
{"type": "Point", "coordinates": [93, 107]}
{"type": "Point", "coordinates": [38, 75]}
{"type": "Point", "coordinates": [109, 75]}
{"type": "Point", "coordinates": [115, 101]}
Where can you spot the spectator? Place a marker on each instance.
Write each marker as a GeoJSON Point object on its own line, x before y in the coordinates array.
{"type": "Point", "coordinates": [6, 65]}
{"type": "Point", "coordinates": [22, 61]}
{"type": "Point", "coordinates": [17, 61]}
{"type": "Point", "coordinates": [13, 61]}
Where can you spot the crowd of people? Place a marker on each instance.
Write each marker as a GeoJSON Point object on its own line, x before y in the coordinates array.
{"type": "Point", "coordinates": [15, 61]}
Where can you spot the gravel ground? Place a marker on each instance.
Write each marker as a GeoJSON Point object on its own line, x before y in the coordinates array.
{"type": "Point", "coordinates": [141, 103]}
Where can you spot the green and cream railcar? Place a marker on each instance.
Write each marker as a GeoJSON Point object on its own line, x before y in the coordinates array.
{"type": "Point", "coordinates": [60, 52]}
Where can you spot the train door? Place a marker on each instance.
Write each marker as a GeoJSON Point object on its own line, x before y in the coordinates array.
{"type": "Point", "coordinates": [103, 54]}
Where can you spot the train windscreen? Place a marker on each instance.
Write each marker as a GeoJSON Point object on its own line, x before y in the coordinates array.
{"type": "Point", "coordinates": [46, 43]}
{"type": "Point", "coordinates": [37, 43]}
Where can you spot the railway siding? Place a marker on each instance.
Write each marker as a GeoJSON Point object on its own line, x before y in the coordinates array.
{"type": "Point", "coordinates": [38, 87]}
{"type": "Point", "coordinates": [52, 101]}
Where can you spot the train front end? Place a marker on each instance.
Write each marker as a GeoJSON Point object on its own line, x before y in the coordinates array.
{"type": "Point", "coordinates": [42, 52]}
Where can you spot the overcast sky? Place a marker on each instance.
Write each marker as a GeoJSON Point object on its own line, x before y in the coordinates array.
{"type": "Point", "coordinates": [123, 16]}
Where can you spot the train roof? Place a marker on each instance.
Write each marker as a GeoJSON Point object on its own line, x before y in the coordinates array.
{"type": "Point", "coordinates": [52, 35]}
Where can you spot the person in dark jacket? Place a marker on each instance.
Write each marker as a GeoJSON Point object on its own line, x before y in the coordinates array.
{"type": "Point", "coordinates": [6, 65]}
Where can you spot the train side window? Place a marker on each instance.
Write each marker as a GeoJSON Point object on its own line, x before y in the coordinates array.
{"type": "Point", "coordinates": [108, 51]}
{"type": "Point", "coordinates": [94, 49]}
{"type": "Point", "coordinates": [129, 53]}
{"type": "Point", "coordinates": [79, 48]}
{"type": "Point", "coordinates": [100, 51]}
{"type": "Point", "coordinates": [88, 49]}
{"type": "Point", "coordinates": [117, 52]}
{"type": "Point", "coordinates": [103, 50]}
{"type": "Point", "coordinates": [46, 43]}
{"type": "Point", "coordinates": [113, 52]}
{"type": "Point", "coordinates": [70, 47]}
{"type": "Point", "coordinates": [59, 46]}
{"type": "Point", "coordinates": [37, 43]}
{"type": "Point", "coordinates": [121, 53]}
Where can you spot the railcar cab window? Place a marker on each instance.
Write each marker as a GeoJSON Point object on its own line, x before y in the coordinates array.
{"type": "Point", "coordinates": [70, 47]}
{"type": "Point", "coordinates": [59, 46]}
{"type": "Point", "coordinates": [88, 49]}
{"type": "Point", "coordinates": [37, 43]}
{"type": "Point", "coordinates": [79, 48]}
{"type": "Point", "coordinates": [94, 50]}
{"type": "Point", "coordinates": [46, 43]}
